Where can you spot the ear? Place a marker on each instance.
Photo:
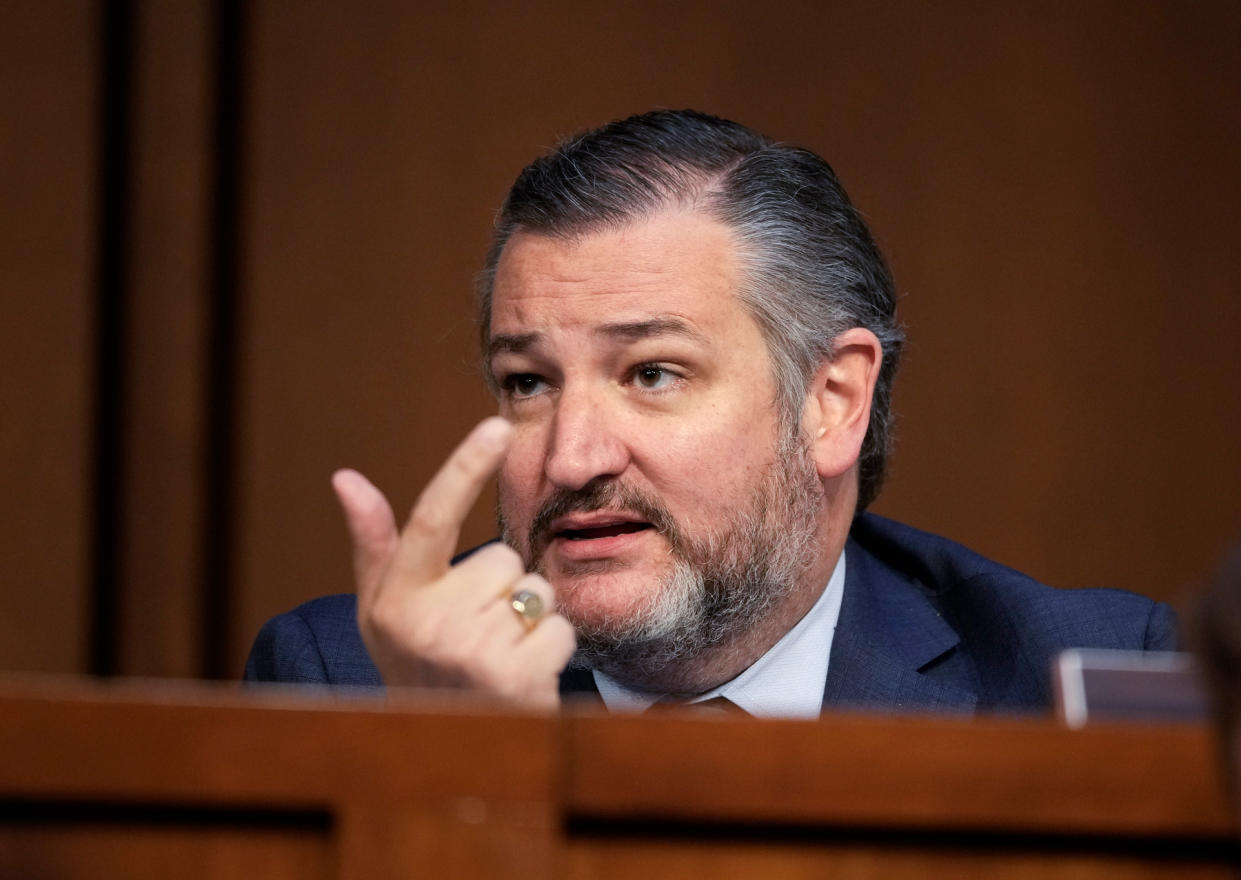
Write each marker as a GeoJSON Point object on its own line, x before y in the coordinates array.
{"type": "Point", "coordinates": [837, 409]}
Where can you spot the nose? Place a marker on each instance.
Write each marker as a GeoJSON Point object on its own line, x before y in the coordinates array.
{"type": "Point", "coordinates": [584, 442]}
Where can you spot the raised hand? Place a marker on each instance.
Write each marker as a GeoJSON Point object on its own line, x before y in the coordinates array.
{"type": "Point", "coordinates": [427, 623]}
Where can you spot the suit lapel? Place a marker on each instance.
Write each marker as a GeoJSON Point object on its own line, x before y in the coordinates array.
{"type": "Point", "coordinates": [887, 636]}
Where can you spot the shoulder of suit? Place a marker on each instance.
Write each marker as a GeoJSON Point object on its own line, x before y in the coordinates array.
{"type": "Point", "coordinates": [969, 588]}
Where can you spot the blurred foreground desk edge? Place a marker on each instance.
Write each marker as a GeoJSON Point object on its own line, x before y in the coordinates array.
{"type": "Point", "coordinates": [198, 781]}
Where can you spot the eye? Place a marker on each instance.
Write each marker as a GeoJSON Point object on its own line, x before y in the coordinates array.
{"type": "Point", "coordinates": [522, 385]}
{"type": "Point", "coordinates": [653, 377]}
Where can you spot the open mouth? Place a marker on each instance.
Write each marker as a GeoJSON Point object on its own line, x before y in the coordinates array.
{"type": "Point", "coordinates": [608, 530]}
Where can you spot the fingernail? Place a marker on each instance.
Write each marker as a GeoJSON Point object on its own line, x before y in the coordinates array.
{"type": "Point", "coordinates": [345, 477]}
{"type": "Point", "coordinates": [493, 433]}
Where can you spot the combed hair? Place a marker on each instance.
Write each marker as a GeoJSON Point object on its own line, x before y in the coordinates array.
{"type": "Point", "coordinates": [811, 269]}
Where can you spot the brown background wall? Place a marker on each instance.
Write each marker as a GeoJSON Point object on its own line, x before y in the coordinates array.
{"type": "Point", "coordinates": [239, 241]}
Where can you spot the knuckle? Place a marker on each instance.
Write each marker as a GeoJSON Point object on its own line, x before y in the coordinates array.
{"type": "Point", "coordinates": [534, 581]}
{"type": "Point", "coordinates": [486, 671]}
{"type": "Point", "coordinates": [519, 685]}
{"type": "Point", "coordinates": [563, 637]}
{"type": "Point", "coordinates": [428, 519]}
{"type": "Point", "coordinates": [508, 689]}
{"type": "Point", "coordinates": [425, 636]}
{"type": "Point", "coordinates": [465, 464]}
{"type": "Point", "coordinates": [413, 630]}
{"type": "Point", "coordinates": [380, 618]}
{"type": "Point", "coordinates": [502, 559]}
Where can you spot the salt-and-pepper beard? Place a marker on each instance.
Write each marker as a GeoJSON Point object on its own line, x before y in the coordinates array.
{"type": "Point", "coordinates": [721, 584]}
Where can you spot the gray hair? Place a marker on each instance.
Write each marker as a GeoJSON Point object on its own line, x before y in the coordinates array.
{"type": "Point", "coordinates": [812, 269]}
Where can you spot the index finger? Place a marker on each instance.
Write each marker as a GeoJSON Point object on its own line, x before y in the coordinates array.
{"type": "Point", "coordinates": [430, 536]}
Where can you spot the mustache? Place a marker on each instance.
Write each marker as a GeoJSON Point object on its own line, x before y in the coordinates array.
{"type": "Point", "coordinates": [599, 494]}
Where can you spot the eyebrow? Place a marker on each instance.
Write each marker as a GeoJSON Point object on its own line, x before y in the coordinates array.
{"type": "Point", "coordinates": [623, 331]}
{"type": "Point", "coordinates": [510, 342]}
{"type": "Point", "coordinates": [632, 331]}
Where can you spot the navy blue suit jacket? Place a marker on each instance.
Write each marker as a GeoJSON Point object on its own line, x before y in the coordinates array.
{"type": "Point", "coordinates": [925, 625]}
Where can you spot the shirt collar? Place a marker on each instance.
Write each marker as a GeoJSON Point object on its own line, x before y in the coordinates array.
{"type": "Point", "coordinates": [786, 682]}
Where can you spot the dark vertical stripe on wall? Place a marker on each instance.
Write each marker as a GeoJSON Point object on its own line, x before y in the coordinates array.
{"type": "Point", "coordinates": [217, 588]}
{"type": "Point", "coordinates": [115, 30]}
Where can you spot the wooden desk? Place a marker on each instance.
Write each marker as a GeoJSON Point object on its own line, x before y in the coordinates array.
{"type": "Point", "coordinates": [137, 780]}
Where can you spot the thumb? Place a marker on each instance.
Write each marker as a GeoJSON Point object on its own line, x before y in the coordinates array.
{"type": "Point", "coordinates": [372, 528]}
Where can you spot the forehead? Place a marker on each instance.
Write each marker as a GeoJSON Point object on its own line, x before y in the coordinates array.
{"type": "Point", "coordinates": [679, 264]}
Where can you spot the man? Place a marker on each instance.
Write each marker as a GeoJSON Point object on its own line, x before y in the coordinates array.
{"type": "Point", "coordinates": [692, 337]}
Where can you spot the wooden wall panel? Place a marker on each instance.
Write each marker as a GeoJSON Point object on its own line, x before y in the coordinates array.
{"type": "Point", "coordinates": [1055, 188]}
{"type": "Point", "coordinates": [165, 427]}
{"type": "Point", "coordinates": [48, 155]}
{"type": "Point", "coordinates": [1071, 402]}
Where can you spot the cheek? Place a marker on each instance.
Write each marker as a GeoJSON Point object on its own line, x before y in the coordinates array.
{"type": "Point", "coordinates": [711, 466]}
{"type": "Point", "coordinates": [518, 481]}
{"type": "Point", "coordinates": [736, 433]}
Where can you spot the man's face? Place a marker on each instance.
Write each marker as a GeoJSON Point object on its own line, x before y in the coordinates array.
{"type": "Point", "coordinates": [644, 406]}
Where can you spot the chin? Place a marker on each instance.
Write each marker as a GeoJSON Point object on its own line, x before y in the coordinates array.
{"type": "Point", "coordinates": [601, 598]}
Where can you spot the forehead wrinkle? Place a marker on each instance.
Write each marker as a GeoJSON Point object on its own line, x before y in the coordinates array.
{"type": "Point", "coordinates": [664, 325]}
{"type": "Point", "coordinates": [619, 331]}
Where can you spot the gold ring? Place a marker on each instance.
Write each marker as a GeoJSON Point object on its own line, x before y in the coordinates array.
{"type": "Point", "coordinates": [529, 607]}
